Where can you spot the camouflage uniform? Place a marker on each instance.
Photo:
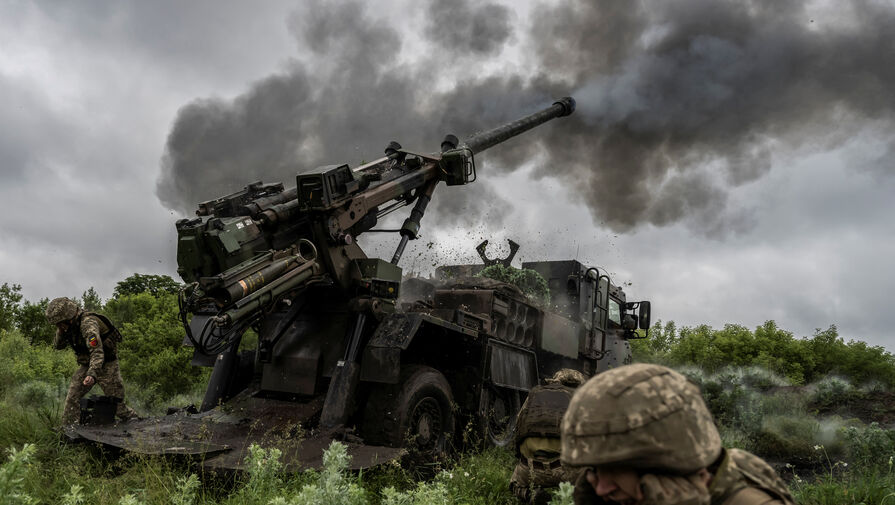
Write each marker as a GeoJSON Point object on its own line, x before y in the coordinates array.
{"type": "Point", "coordinates": [652, 420]}
{"type": "Point", "coordinates": [94, 340]}
{"type": "Point", "coordinates": [538, 438]}
{"type": "Point", "coordinates": [742, 478]}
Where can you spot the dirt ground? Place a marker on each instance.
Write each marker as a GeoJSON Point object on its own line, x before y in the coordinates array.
{"type": "Point", "coordinates": [873, 406]}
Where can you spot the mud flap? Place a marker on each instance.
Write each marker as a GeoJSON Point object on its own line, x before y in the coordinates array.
{"type": "Point", "coordinates": [340, 395]}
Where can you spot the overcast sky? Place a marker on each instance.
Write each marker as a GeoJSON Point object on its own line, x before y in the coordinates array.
{"type": "Point", "coordinates": [730, 160]}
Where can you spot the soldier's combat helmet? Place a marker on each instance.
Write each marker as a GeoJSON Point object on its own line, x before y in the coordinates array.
{"type": "Point", "coordinates": [640, 416]}
{"type": "Point", "coordinates": [61, 309]}
{"type": "Point", "coordinates": [567, 377]}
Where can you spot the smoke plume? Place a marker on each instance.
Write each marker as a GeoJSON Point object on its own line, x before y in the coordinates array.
{"type": "Point", "coordinates": [678, 101]}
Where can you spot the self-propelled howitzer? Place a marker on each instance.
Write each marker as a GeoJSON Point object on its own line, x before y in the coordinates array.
{"type": "Point", "coordinates": [344, 348]}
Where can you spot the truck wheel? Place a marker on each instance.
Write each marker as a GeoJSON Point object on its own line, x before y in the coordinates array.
{"type": "Point", "coordinates": [415, 413]}
{"type": "Point", "coordinates": [501, 406]}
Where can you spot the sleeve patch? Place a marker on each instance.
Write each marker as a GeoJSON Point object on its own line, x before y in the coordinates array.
{"type": "Point", "coordinates": [93, 341]}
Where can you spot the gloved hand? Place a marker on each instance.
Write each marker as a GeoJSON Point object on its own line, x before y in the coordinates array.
{"type": "Point", "coordinates": [584, 493]}
{"type": "Point", "coordinates": [674, 490]}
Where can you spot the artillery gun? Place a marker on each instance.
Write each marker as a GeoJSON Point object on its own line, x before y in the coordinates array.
{"type": "Point", "coordinates": [347, 350]}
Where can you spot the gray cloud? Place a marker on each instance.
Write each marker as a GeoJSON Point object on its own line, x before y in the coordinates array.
{"type": "Point", "coordinates": [683, 107]}
{"type": "Point", "coordinates": [343, 107]}
{"type": "Point", "coordinates": [26, 121]}
{"type": "Point", "coordinates": [678, 101]}
{"type": "Point", "coordinates": [705, 84]}
{"type": "Point", "coordinates": [196, 39]}
{"type": "Point", "coordinates": [467, 27]}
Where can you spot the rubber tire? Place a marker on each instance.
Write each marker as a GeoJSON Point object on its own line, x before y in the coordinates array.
{"type": "Point", "coordinates": [512, 403]}
{"type": "Point", "coordinates": [390, 409]}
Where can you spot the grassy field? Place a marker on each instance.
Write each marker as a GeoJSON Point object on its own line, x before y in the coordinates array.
{"type": "Point", "coordinates": [830, 438]}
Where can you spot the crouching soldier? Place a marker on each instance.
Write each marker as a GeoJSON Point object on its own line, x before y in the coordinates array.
{"type": "Point", "coordinates": [95, 342]}
{"type": "Point", "coordinates": [642, 435]}
{"type": "Point", "coordinates": [538, 438]}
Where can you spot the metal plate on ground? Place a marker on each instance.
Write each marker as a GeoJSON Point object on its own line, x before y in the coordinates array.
{"type": "Point", "coordinates": [222, 436]}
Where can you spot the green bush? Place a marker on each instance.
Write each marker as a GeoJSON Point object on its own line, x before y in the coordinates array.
{"type": "Point", "coordinates": [797, 360]}
{"type": "Point", "coordinates": [870, 446]}
{"type": "Point", "coordinates": [32, 322]}
{"type": "Point", "coordinates": [832, 391]}
{"type": "Point", "coordinates": [35, 392]}
{"type": "Point", "coordinates": [151, 352]}
{"type": "Point", "coordinates": [528, 281]}
{"type": "Point", "coordinates": [13, 473]}
{"type": "Point", "coordinates": [23, 362]}
{"type": "Point", "coordinates": [10, 296]}
{"type": "Point", "coordinates": [789, 438]}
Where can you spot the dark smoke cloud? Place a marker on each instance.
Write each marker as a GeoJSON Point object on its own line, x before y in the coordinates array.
{"type": "Point", "coordinates": [678, 101]}
{"type": "Point", "coordinates": [343, 107]}
{"type": "Point", "coordinates": [685, 99]}
{"type": "Point", "coordinates": [465, 27]}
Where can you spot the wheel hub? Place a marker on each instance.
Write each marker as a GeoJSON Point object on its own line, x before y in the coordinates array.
{"type": "Point", "coordinates": [426, 422]}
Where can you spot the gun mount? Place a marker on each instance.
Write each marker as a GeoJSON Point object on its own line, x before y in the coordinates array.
{"type": "Point", "coordinates": [343, 342]}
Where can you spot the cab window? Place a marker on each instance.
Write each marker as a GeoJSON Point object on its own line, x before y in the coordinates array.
{"type": "Point", "coordinates": [615, 312]}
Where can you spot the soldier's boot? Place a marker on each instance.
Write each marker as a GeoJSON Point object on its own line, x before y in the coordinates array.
{"type": "Point", "coordinates": [540, 496]}
{"type": "Point", "coordinates": [126, 413]}
{"type": "Point", "coordinates": [71, 413]}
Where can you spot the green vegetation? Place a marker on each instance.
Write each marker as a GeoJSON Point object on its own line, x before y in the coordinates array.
{"type": "Point", "coordinates": [155, 285]}
{"type": "Point", "coordinates": [819, 408]}
{"type": "Point", "coordinates": [799, 360]}
{"type": "Point", "coordinates": [807, 405]}
{"type": "Point", "coordinates": [531, 283]}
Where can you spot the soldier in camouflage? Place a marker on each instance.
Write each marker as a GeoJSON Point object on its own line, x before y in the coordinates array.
{"type": "Point", "coordinates": [94, 340]}
{"type": "Point", "coordinates": [642, 435]}
{"type": "Point", "coordinates": [538, 438]}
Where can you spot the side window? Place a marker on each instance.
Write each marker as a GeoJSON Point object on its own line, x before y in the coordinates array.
{"type": "Point", "coordinates": [615, 313]}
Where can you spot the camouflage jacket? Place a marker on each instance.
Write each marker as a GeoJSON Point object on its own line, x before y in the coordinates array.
{"type": "Point", "coordinates": [541, 414]}
{"type": "Point", "coordinates": [740, 478]}
{"type": "Point", "coordinates": [743, 478]}
{"type": "Point", "coordinates": [93, 338]}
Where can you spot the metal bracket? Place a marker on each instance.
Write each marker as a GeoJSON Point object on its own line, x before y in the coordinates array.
{"type": "Point", "coordinates": [505, 261]}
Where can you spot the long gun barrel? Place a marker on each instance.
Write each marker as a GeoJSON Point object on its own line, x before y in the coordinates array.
{"type": "Point", "coordinates": [481, 141]}
{"type": "Point", "coordinates": [249, 249]}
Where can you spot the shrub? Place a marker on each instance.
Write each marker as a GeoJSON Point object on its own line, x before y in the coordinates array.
{"type": "Point", "coordinates": [869, 446]}
{"type": "Point", "coordinates": [152, 354]}
{"type": "Point", "coordinates": [12, 475]}
{"type": "Point", "coordinates": [333, 485]}
{"type": "Point", "coordinates": [794, 439]}
{"type": "Point", "coordinates": [530, 282]}
{"type": "Point", "coordinates": [35, 392]}
{"type": "Point", "coordinates": [22, 362]}
{"type": "Point", "coordinates": [832, 391]}
{"type": "Point", "coordinates": [32, 322]}
{"type": "Point", "coordinates": [10, 296]}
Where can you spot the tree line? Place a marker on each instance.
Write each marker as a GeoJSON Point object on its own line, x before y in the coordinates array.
{"type": "Point", "coordinates": [801, 360]}
{"type": "Point", "coordinates": [144, 307]}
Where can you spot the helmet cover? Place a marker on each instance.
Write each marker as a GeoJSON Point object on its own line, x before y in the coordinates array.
{"type": "Point", "coordinates": [640, 416]}
{"type": "Point", "coordinates": [61, 309]}
{"type": "Point", "coordinates": [567, 377]}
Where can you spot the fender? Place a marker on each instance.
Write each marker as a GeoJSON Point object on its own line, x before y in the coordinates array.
{"type": "Point", "coordinates": [381, 361]}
